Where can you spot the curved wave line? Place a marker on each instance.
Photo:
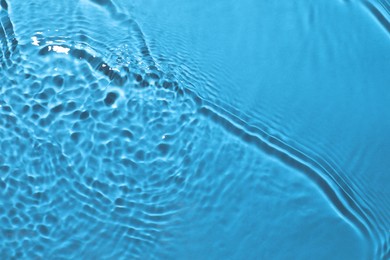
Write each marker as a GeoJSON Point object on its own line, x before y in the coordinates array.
{"type": "Point", "coordinates": [382, 20]}
{"type": "Point", "coordinates": [329, 182]}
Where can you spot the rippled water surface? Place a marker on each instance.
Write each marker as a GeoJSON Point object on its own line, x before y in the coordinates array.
{"type": "Point", "coordinates": [150, 129]}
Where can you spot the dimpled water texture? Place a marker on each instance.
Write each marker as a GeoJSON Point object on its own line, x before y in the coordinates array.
{"type": "Point", "coordinates": [109, 151]}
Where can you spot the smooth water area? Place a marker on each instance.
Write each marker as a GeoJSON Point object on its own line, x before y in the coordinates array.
{"type": "Point", "coordinates": [194, 129]}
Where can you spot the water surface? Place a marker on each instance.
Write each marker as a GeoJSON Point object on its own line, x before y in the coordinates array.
{"type": "Point", "coordinates": [192, 130]}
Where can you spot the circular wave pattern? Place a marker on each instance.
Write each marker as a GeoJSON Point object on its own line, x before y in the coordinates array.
{"type": "Point", "coordinates": [102, 151]}
{"type": "Point", "coordinates": [72, 135]}
{"type": "Point", "coordinates": [69, 140]}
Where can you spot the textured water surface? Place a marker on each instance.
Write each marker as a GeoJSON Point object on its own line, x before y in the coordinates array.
{"type": "Point", "coordinates": [194, 130]}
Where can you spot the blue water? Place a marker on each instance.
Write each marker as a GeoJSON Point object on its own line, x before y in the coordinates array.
{"type": "Point", "coordinates": [149, 129]}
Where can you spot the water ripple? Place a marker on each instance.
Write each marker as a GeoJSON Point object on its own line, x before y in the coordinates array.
{"type": "Point", "coordinates": [101, 142]}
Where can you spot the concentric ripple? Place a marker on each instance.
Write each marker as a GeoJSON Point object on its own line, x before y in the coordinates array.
{"type": "Point", "coordinates": [106, 155]}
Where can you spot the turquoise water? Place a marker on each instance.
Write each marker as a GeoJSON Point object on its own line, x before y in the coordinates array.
{"type": "Point", "coordinates": [194, 129]}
